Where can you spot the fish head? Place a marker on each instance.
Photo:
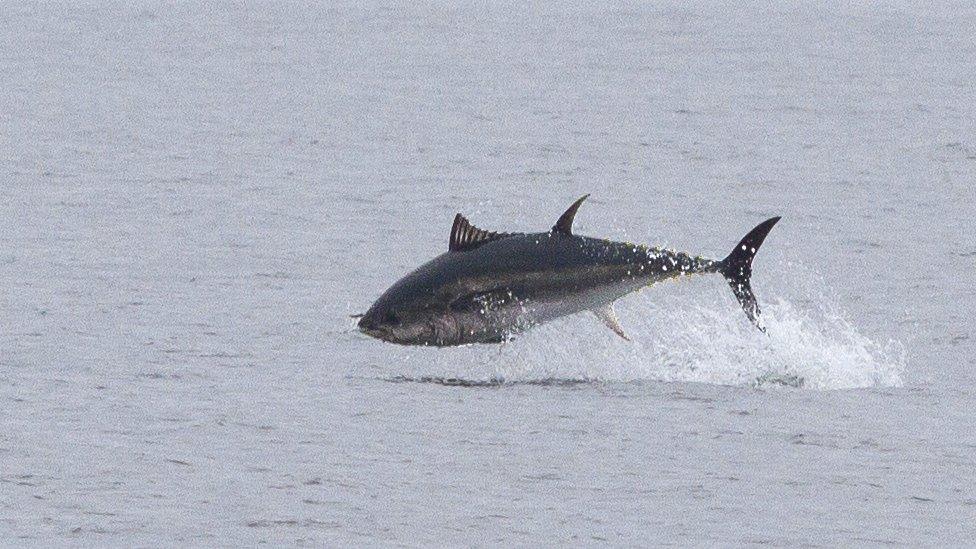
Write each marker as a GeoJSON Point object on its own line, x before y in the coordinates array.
{"type": "Point", "coordinates": [441, 304]}
{"type": "Point", "coordinates": [411, 313]}
{"type": "Point", "coordinates": [397, 324]}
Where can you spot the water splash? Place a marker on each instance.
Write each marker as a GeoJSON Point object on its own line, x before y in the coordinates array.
{"type": "Point", "coordinates": [803, 348]}
{"type": "Point", "coordinates": [684, 336]}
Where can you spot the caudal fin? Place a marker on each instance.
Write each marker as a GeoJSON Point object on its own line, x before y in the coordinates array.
{"type": "Point", "coordinates": [737, 269]}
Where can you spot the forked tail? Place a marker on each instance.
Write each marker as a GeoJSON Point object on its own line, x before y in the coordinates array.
{"type": "Point", "coordinates": [737, 269]}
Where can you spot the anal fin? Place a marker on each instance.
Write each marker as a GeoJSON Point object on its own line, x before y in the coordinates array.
{"type": "Point", "coordinates": [609, 317]}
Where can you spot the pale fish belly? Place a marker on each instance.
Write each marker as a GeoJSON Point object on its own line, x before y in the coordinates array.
{"type": "Point", "coordinates": [546, 308]}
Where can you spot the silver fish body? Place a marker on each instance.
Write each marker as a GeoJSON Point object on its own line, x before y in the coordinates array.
{"type": "Point", "coordinates": [490, 286]}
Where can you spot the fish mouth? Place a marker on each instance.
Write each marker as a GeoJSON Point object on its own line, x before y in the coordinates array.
{"type": "Point", "coordinates": [387, 335]}
{"type": "Point", "coordinates": [379, 332]}
{"type": "Point", "coordinates": [372, 331]}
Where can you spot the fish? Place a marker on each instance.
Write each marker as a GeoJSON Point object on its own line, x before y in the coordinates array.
{"type": "Point", "coordinates": [491, 286]}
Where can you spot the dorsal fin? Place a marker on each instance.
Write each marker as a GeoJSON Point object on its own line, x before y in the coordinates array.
{"type": "Point", "coordinates": [565, 223]}
{"type": "Point", "coordinates": [465, 236]}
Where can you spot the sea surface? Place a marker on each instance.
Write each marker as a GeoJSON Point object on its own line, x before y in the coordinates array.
{"type": "Point", "coordinates": [195, 197]}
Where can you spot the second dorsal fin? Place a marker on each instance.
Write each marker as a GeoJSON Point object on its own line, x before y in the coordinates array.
{"type": "Point", "coordinates": [565, 223]}
{"type": "Point", "coordinates": [465, 236]}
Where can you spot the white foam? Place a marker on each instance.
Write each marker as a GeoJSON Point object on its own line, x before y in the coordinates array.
{"type": "Point", "coordinates": [704, 340]}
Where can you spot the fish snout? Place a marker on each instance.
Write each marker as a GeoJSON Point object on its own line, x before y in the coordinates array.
{"type": "Point", "coordinates": [367, 323]}
{"type": "Point", "coordinates": [372, 325]}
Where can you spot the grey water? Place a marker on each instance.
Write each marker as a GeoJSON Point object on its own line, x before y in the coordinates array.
{"type": "Point", "coordinates": [194, 199]}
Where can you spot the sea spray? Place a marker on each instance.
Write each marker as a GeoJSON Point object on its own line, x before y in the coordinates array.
{"type": "Point", "coordinates": [683, 334]}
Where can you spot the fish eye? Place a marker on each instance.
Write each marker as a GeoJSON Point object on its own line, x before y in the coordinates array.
{"type": "Point", "coordinates": [391, 318]}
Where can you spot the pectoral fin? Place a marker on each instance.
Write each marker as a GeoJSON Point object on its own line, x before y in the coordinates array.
{"type": "Point", "coordinates": [609, 317]}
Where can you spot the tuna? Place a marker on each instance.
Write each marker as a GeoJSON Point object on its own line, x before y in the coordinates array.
{"type": "Point", "coordinates": [490, 286]}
